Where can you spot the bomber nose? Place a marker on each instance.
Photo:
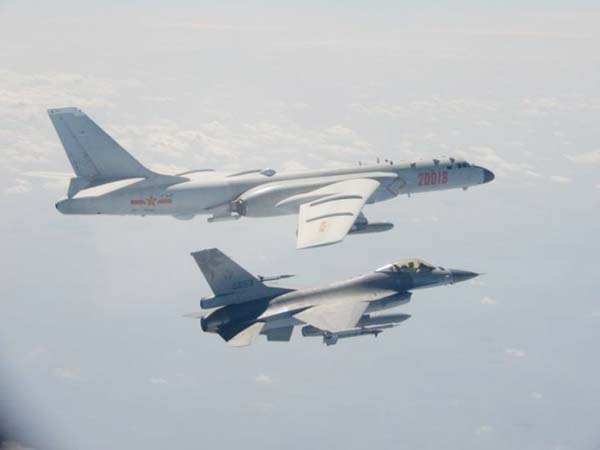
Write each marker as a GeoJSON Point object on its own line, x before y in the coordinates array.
{"type": "Point", "coordinates": [462, 275]}
{"type": "Point", "coordinates": [60, 206]}
{"type": "Point", "coordinates": [488, 175]}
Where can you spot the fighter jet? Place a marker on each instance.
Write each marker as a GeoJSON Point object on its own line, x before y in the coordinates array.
{"type": "Point", "coordinates": [329, 203]}
{"type": "Point", "coordinates": [244, 306]}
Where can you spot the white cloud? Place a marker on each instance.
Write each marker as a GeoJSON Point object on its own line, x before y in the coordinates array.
{"type": "Point", "coordinates": [57, 181]}
{"type": "Point", "coordinates": [515, 352]}
{"type": "Point", "coordinates": [560, 179]}
{"type": "Point", "coordinates": [21, 186]}
{"type": "Point", "coordinates": [26, 95]}
{"type": "Point", "coordinates": [27, 142]}
{"type": "Point", "coordinates": [35, 355]}
{"type": "Point", "coordinates": [262, 378]}
{"type": "Point", "coordinates": [489, 158]}
{"type": "Point", "coordinates": [488, 301]}
{"type": "Point", "coordinates": [541, 105]}
{"type": "Point", "coordinates": [28, 145]}
{"type": "Point", "coordinates": [263, 407]}
{"type": "Point", "coordinates": [48, 175]}
{"type": "Point", "coordinates": [66, 373]}
{"type": "Point", "coordinates": [536, 395]}
{"type": "Point", "coordinates": [158, 99]}
{"type": "Point", "coordinates": [592, 157]}
{"type": "Point", "coordinates": [484, 429]}
{"type": "Point", "coordinates": [158, 380]}
{"type": "Point", "coordinates": [233, 146]}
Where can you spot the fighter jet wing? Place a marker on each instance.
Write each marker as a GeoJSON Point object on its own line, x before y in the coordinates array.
{"type": "Point", "coordinates": [333, 317]}
{"type": "Point", "coordinates": [328, 219]}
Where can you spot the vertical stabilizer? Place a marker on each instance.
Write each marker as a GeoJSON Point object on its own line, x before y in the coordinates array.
{"type": "Point", "coordinates": [95, 156]}
{"type": "Point", "coordinates": [224, 275]}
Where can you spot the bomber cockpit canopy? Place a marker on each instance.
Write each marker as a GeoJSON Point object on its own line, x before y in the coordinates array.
{"type": "Point", "coordinates": [408, 265]}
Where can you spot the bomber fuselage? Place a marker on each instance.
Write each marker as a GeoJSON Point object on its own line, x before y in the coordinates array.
{"type": "Point", "coordinates": [261, 193]}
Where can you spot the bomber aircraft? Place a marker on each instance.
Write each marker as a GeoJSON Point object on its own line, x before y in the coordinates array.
{"type": "Point", "coordinates": [245, 307]}
{"type": "Point", "coordinates": [329, 203]}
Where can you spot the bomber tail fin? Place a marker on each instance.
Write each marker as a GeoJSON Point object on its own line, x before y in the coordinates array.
{"type": "Point", "coordinates": [95, 156]}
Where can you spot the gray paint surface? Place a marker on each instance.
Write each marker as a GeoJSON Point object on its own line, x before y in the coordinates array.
{"type": "Point", "coordinates": [249, 303]}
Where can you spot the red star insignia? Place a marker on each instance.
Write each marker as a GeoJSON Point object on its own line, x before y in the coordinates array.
{"type": "Point", "coordinates": [151, 201]}
{"type": "Point", "coordinates": [322, 226]}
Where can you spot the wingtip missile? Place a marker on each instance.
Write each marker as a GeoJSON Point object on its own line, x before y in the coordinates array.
{"type": "Point", "coordinates": [275, 277]}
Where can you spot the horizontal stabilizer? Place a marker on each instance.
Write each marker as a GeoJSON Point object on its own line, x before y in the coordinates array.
{"type": "Point", "coordinates": [242, 337]}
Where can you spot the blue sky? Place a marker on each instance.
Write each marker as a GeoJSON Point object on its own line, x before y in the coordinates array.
{"type": "Point", "coordinates": [95, 351]}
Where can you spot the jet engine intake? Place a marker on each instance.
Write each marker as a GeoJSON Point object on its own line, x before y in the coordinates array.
{"type": "Point", "coordinates": [391, 301]}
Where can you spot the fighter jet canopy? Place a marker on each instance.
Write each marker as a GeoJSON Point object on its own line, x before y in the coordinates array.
{"type": "Point", "coordinates": [407, 265]}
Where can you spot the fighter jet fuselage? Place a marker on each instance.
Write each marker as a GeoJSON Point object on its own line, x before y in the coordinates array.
{"type": "Point", "coordinates": [335, 311]}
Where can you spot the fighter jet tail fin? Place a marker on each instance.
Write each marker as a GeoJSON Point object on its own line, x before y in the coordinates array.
{"type": "Point", "coordinates": [223, 274]}
{"type": "Point", "coordinates": [95, 156]}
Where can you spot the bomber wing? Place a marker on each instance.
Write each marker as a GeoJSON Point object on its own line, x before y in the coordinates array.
{"type": "Point", "coordinates": [328, 220]}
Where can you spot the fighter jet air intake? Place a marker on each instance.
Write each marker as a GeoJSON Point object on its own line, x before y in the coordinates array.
{"type": "Point", "coordinates": [247, 307]}
{"type": "Point", "coordinates": [329, 203]}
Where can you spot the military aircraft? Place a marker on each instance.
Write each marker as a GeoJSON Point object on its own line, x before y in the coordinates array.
{"type": "Point", "coordinates": [329, 203]}
{"type": "Point", "coordinates": [247, 307]}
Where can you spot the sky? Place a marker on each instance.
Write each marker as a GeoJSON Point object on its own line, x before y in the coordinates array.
{"type": "Point", "coordinates": [94, 350]}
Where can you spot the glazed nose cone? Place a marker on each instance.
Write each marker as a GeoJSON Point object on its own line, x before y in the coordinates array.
{"type": "Point", "coordinates": [488, 176]}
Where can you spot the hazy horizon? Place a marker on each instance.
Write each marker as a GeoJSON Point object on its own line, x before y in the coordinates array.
{"type": "Point", "coordinates": [95, 351]}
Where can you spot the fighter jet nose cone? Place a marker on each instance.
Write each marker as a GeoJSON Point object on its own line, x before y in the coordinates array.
{"type": "Point", "coordinates": [488, 176]}
{"type": "Point", "coordinates": [462, 275]}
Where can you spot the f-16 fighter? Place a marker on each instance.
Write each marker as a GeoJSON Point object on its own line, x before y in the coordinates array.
{"type": "Point", "coordinates": [329, 203]}
{"type": "Point", "coordinates": [247, 307]}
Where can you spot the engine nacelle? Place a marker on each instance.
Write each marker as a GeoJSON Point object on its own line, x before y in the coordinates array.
{"type": "Point", "coordinates": [374, 227]}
